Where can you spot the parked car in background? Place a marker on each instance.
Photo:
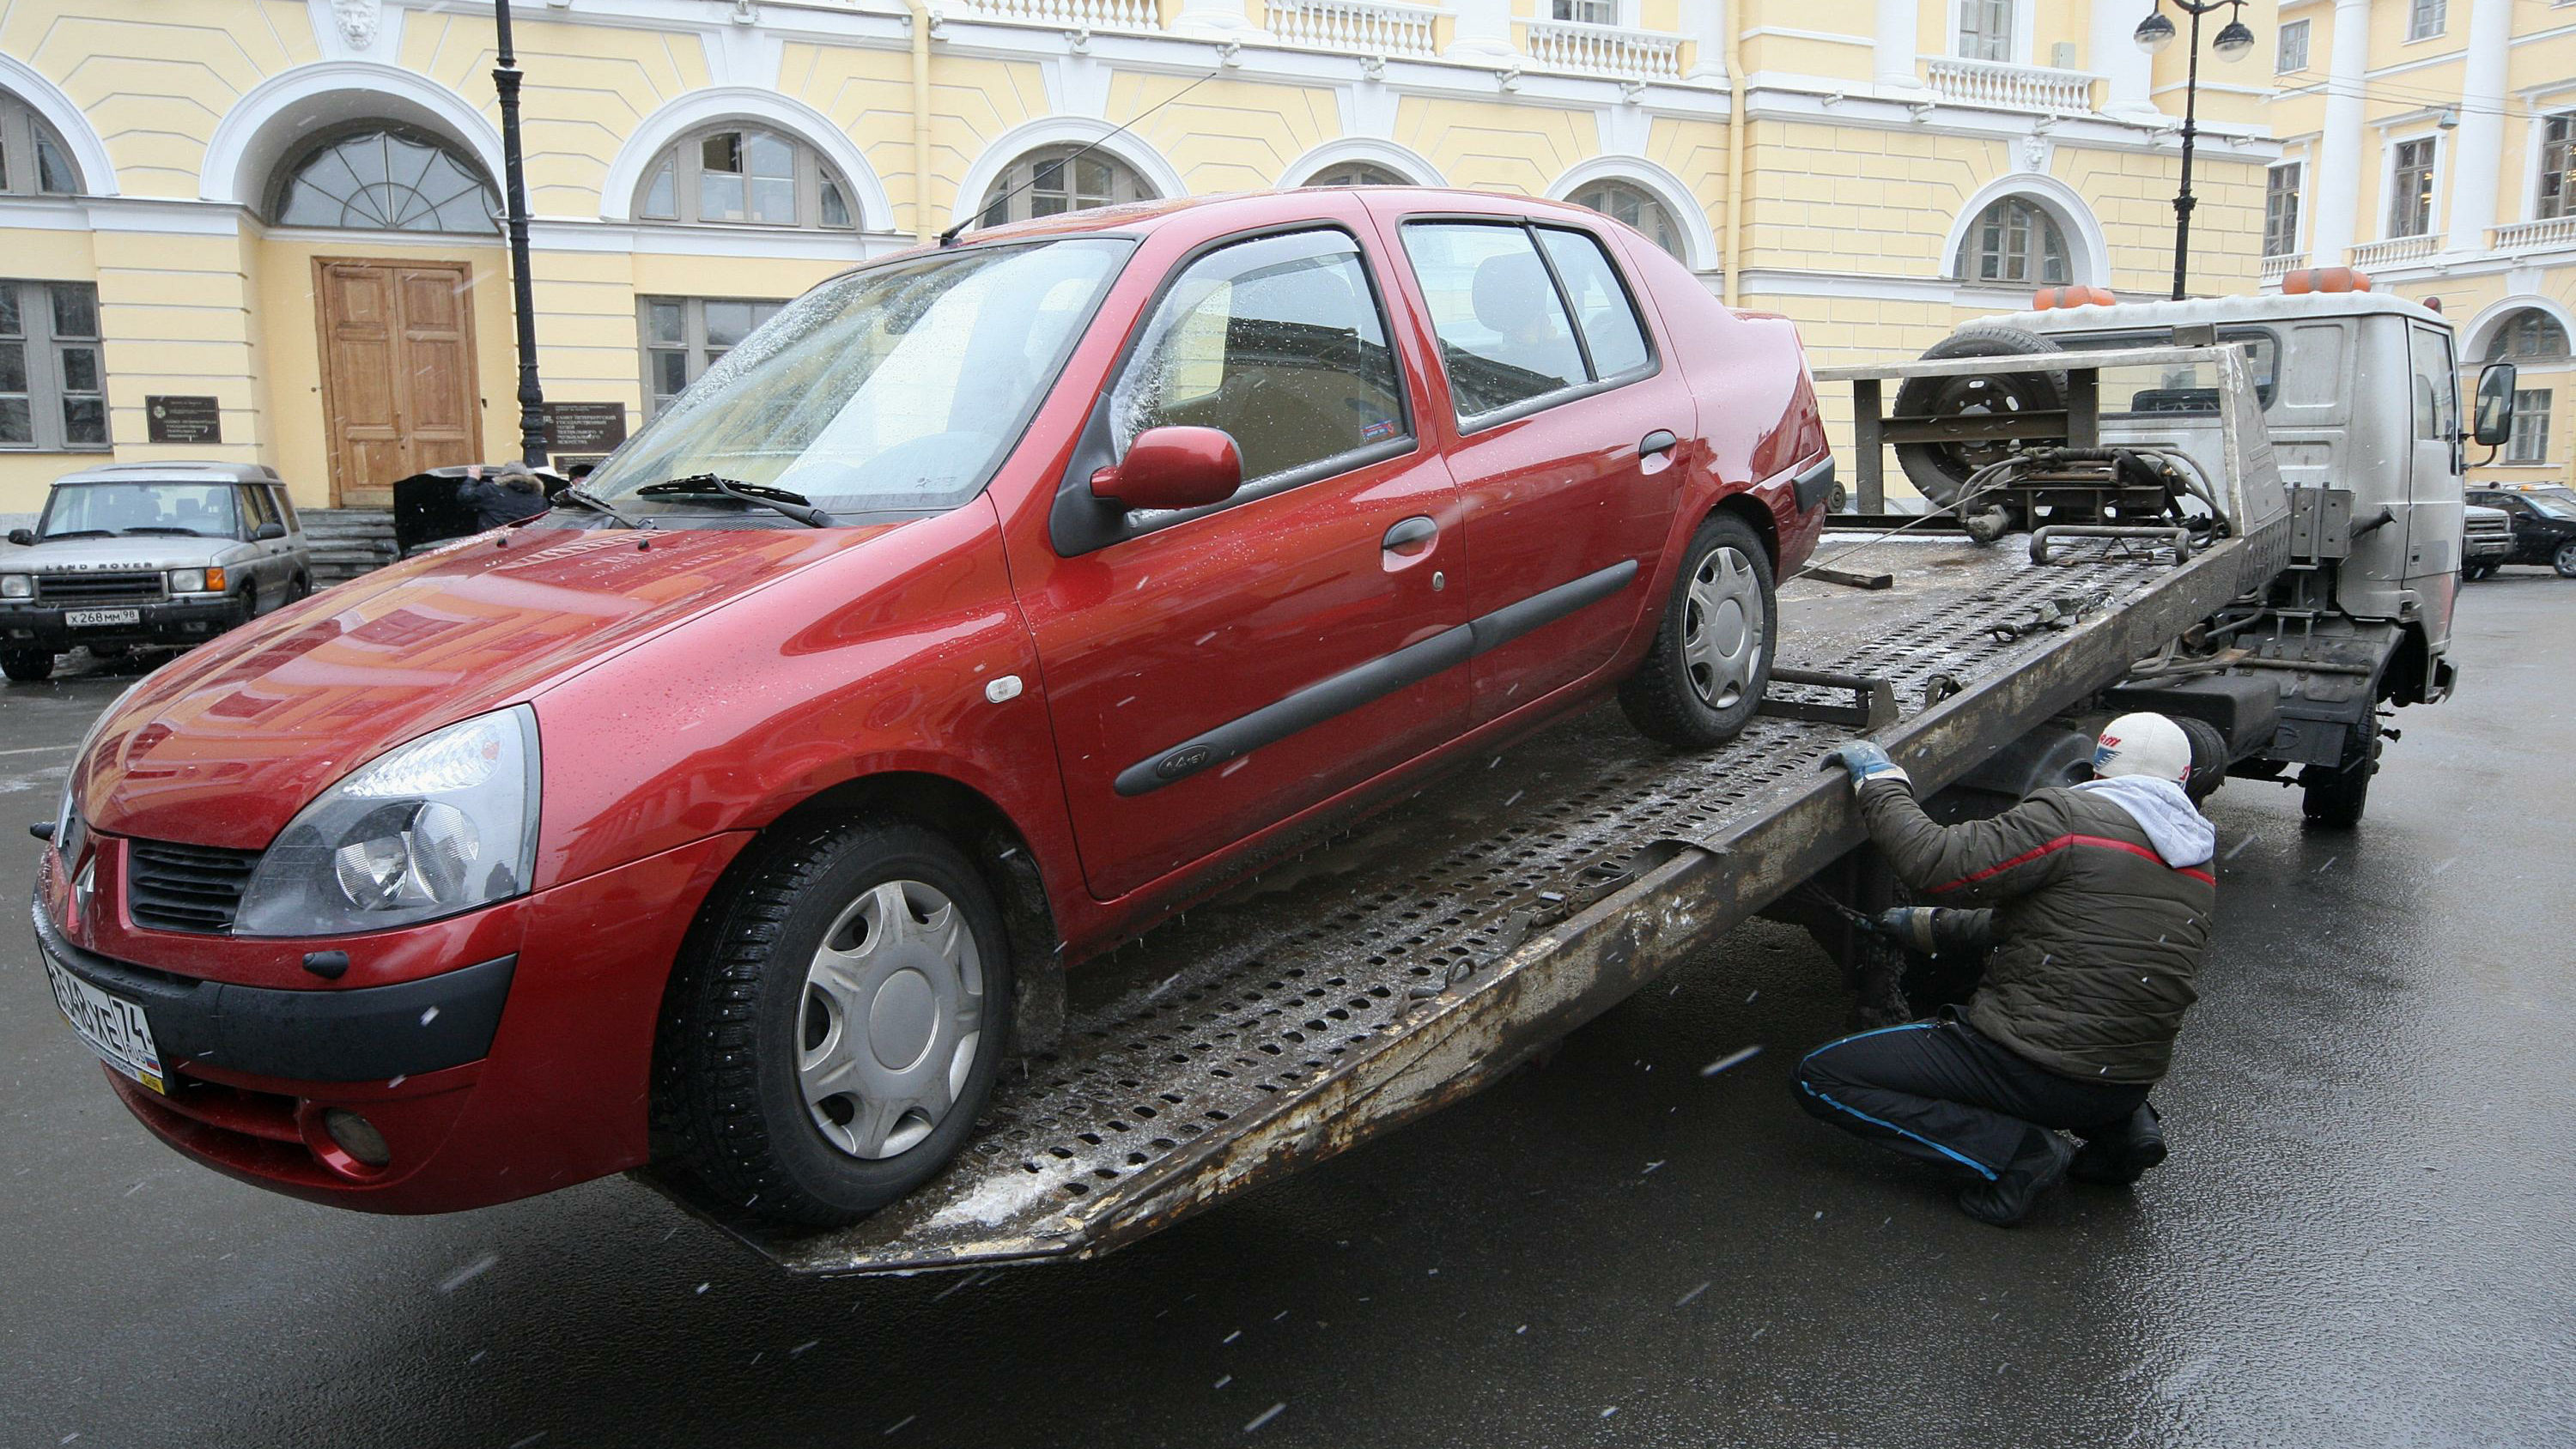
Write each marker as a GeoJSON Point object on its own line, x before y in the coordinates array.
{"type": "Point", "coordinates": [2544, 522]}
{"type": "Point", "coordinates": [986, 606]}
{"type": "Point", "coordinates": [148, 554]}
{"type": "Point", "coordinates": [2486, 541]}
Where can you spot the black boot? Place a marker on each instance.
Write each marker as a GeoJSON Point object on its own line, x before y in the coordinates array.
{"type": "Point", "coordinates": [2125, 1153]}
{"type": "Point", "coordinates": [2007, 1200]}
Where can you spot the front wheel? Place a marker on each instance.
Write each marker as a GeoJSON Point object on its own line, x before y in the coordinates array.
{"type": "Point", "coordinates": [1704, 676]}
{"type": "Point", "coordinates": [27, 666]}
{"type": "Point", "coordinates": [2565, 559]}
{"type": "Point", "coordinates": [831, 1035]}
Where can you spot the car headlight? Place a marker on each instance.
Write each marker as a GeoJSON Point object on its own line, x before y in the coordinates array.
{"type": "Point", "coordinates": [443, 824]}
{"type": "Point", "coordinates": [197, 581]}
{"type": "Point", "coordinates": [17, 586]}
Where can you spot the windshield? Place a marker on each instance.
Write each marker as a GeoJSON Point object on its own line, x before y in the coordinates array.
{"type": "Point", "coordinates": [899, 387]}
{"type": "Point", "coordinates": [2555, 505]}
{"type": "Point", "coordinates": [2132, 391]}
{"type": "Point", "coordinates": [204, 509]}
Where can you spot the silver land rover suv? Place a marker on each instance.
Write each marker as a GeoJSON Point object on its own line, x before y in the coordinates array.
{"type": "Point", "coordinates": [142, 554]}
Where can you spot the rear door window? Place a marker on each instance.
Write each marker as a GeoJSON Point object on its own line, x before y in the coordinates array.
{"type": "Point", "coordinates": [1279, 342]}
{"type": "Point", "coordinates": [257, 508]}
{"type": "Point", "coordinates": [1504, 334]}
{"type": "Point", "coordinates": [1611, 328]}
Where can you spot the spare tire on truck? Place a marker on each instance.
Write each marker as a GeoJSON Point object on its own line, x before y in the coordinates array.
{"type": "Point", "coordinates": [1939, 471]}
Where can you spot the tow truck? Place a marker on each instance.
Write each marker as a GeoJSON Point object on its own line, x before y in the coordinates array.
{"type": "Point", "coordinates": [2193, 545]}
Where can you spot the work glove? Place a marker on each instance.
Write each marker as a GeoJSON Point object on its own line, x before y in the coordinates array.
{"type": "Point", "coordinates": [1932, 930]}
{"type": "Point", "coordinates": [1867, 762]}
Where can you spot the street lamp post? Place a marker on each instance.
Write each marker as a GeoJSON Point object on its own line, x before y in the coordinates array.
{"type": "Point", "coordinates": [532, 398]}
{"type": "Point", "coordinates": [2155, 33]}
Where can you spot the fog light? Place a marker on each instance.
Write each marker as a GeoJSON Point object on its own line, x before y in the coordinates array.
{"type": "Point", "coordinates": [357, 1136]}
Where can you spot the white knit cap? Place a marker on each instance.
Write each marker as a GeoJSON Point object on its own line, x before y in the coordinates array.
{"type": "Point", "coordinates": [2143, 744]}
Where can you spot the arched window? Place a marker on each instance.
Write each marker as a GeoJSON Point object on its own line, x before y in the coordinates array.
{"type": "Point", "coordinates": [385, 178]}
{"type": "Point", "coordinates": [1356, 173]}
{"type": "Point", "coordinates": [1634, 205]}
{"type": "Point", "coordinates": [33, 159]}
{"type": "Point", "coordinates": [2529, 335]}
{"type": "Point", "coordinates": [2014, 241]}
{"type": "Point", "coordinates": [1053, 180]}
{"type": "Point", "coordinates": [745, 175]}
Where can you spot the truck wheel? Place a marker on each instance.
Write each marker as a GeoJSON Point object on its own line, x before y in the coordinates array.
{"type": "Point", "coordinates": [2565, 560]}
{"type": "Point", "coordinates": [834, 1028]}
{"type": "Point", "coordinates": [2335, 796]}
{"type": "Point", "coordinates": [27, 666]}
{"type": "Point", "coordinates": [1704, 675]}
{"type": "Point", "coordinates": [1940, 470]}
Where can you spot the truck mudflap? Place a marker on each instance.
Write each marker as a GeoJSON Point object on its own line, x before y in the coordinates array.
{"type": "Point", "coordinates": [1433, 948]}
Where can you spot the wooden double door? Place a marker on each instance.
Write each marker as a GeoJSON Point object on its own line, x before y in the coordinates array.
{"type": "Point", "coordinates": [397, 372]}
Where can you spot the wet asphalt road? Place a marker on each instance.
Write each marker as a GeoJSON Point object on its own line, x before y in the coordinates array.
{"type": "Point", "coordinates": [2365, 1235]}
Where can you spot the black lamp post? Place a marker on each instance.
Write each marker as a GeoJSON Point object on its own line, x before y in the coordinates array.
{"type": "Point", "coordinates": [2234, 40]}
{"type": "Point", "coordinates": [532, 398]}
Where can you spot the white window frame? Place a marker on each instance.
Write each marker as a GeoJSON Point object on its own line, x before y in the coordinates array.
{"type": "Point", "coordinates": [1622, 13]}
{"type": "Point", "coordinates": [2281, 48]}
{"type": "Point", "coordinates": [2020, 25]}
{"type": "Point", "coordinates": [45, 383]}
{"type": "Point", "coordinates": [2297, 192]}
{"type": "Point", "coordinates": [2388, 187]}
{"type": "Point", "coordinates": [685, 156]}
{"type": "Point", "coordinates": [2540, 169]}
{"type": "Point", "coordinates": [20, 129]}
{"type": "Point", "coordinates": [2427, 19]}
{"type": "Point", "coordinates": [1012, 187]}
{"type": "Point", "coordinates": [2530, 441]}
{"type": "Point", "coordinates": [693, 339]}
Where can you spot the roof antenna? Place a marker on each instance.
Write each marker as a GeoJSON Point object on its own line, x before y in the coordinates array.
{"type": "Point", "coordinates": [949, 237]}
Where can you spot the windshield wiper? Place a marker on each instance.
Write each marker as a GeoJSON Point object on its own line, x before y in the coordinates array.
{"type": "Point", "coordinates": [77, 533]}
{"type": "Point", "coordinates": [780, 500]}
{"type": "Point", "coordinates": [598, 505]}
{"type": "Point", "coordinates": [164, 528]}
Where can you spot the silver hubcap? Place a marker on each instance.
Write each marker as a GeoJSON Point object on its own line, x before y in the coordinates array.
{"type": "Point", "coordinates": [1723, 628]}
{"type": "Point", "coordinates": [893, 1013]}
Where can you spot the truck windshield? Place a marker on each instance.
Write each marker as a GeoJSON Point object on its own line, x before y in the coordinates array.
{"type": "Point", "coordinates": [899, 387]}
{"type": "Point", "coordinates": [2132, 391]}
{"type": "Point", "coordinates": [204, 509]}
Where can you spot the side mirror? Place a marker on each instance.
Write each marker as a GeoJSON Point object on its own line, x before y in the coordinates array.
{"type": "Point", "coordinates": [22, 536]}
{"type": "Point", "coordinates": [2492, 422]}
{"type": "Point", "coordinates": [1173, 468]}
{"type": "Point", "coordinates": [267, 531]}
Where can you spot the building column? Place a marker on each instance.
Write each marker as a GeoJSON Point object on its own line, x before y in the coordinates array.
{"type": "Point", "coordinates": [2477, 148]}
{"type": "Point", "coordinates": [2338, 195]}
{"type": "Point", "coordinates": [1483, 31]}
{"type": "Point", "coordinates": [2127, 72]}
{"type": "Point", "coordinates": [1704, 21]}
{"type": "Point", "coordinates": [1897, 45]}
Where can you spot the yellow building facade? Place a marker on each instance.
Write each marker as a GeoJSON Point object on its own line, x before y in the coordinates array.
{"type": "Point", "coordinates": [261, 230]}
{"type": "Point", "coordinates": [2432, 143]}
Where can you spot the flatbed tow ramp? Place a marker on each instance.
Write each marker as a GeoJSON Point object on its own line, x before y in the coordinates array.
{"type": "Point", "coordinates": [1438, 945]}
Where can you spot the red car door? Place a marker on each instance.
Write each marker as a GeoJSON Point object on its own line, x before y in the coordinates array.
{"type": "Point", "coordinates": [1215, 670]}
{"type": "Point", "coordinates": [1570, 432]}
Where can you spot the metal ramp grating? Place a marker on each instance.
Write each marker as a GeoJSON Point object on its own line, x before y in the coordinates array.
{"type": "Point", "coordinates": [1260, 998]}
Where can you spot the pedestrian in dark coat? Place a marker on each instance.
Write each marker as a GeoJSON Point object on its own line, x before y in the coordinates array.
{"type": "Point", "coordinates": [2101, 898]}
{"type": "Point", "coordinates": [509, 494]}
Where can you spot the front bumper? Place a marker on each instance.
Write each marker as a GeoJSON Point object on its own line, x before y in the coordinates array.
{"type": "Point", "coordinates": [166, 621]}
{"type": "Point", "coordinates": [526, 1069]}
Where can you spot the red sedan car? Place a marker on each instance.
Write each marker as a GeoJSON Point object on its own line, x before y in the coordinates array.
{"type": "Point", "coordinates": [973, 615]}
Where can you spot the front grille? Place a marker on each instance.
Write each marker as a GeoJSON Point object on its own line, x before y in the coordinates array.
{"type": "Point", "coordinates": [2483, 528]}
{"type": "Point", "coordinates": [119, 588]}
{"type": "Point", "coordinates": [185, 887]}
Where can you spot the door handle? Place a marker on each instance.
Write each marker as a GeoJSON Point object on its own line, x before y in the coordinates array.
{"type": "Point", "coordinates": [1409, 532]}
{"type": "Point", "coordinates": [1661, 440]}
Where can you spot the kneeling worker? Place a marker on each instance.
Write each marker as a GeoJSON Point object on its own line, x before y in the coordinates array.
{"type": "Point", "coordinates": [2103, 899]}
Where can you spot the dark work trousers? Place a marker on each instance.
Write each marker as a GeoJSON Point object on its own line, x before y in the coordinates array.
{"type": "Point", "coordinates": [1944, 1092]}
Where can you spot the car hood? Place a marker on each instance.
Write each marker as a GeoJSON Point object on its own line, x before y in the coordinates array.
{"type": "Point", "coordinates": [222, 746]}
{"type": "Point", "coordinates": [111, 555]}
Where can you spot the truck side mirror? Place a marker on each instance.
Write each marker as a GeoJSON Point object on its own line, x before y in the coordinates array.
{"type": "Point", "coordinates": [2492, 422]}
{"type": "Point", "coordinates": [267, 531]}
{"type": "Point", "coordinates": [1172, 468]}
{"type": "Point", "coordinates": [22, 536]}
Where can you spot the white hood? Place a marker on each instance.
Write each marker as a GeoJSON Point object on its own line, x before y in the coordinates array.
{"type": "Point", "coordinates": [2182, 835]}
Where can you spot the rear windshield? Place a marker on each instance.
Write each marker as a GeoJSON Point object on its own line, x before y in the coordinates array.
{"type": "Point", "coordinates": [897, 388]}
{"type": "Point", "coordinates": [202, 509]}
{"type": "Point", "coordinates": [2161, 391]}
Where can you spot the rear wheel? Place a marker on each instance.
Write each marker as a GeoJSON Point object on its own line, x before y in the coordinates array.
{"type": "Point", "coordinates": [2565, 559]}
{"type": "Point", "coordinates": [832, 1033]}
{"type": "Point", "coordinates": [1704, 676]}
{"type": "Point", "coordinates": [27, 666]}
